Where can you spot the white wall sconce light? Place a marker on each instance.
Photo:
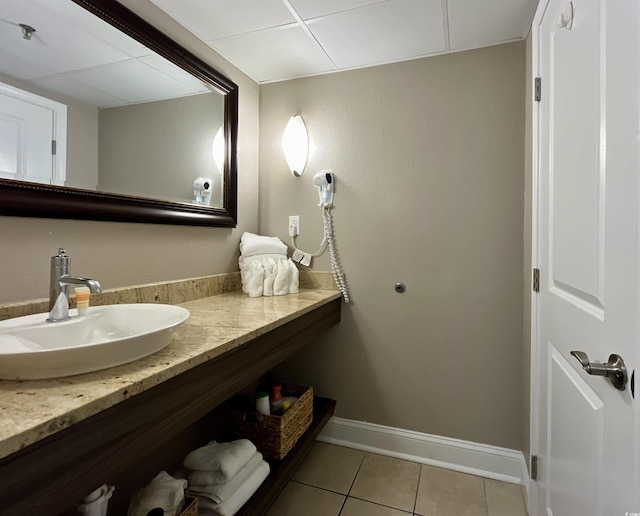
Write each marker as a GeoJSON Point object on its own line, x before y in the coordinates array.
{"type": "Point", "coordinates": [295, 145]}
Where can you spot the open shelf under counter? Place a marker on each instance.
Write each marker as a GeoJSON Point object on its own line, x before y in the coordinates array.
{"type": "Point", "coordinates": [283, 470]}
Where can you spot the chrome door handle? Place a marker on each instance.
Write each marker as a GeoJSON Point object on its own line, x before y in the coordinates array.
{"type": "Point", "coordinates": [615, 369]}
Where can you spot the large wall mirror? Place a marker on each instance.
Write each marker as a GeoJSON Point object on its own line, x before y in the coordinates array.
{"type": "Point", "coordinates": [103, 117]}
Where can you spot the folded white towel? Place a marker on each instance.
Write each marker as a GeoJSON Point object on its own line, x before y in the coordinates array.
{"type": "Point", "coordinates": [164, 492]}
{"type": "Point", "coordinates": [251, 245]}
{"type": "Point", "coordinates": [233, 504]}
{"type": "Point", "coordinates": [224, 460]}
{"type": "Point", "coordinates": [199, 482]}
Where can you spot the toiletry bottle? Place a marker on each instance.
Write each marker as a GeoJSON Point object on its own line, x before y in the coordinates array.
{"type": "Point", "coordinates": [262, 403]}
{"type": "Point", "coordinates": [82, 299]}
{"type": "Point", "coordinates": [276, 398]}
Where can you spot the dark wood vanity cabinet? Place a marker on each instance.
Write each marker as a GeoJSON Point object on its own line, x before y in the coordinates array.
{"type": "Point", "coordinates": [128, 443]}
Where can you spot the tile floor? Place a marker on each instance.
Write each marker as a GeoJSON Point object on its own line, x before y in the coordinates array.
{"type": "Point", "coordinates": [336, 481]}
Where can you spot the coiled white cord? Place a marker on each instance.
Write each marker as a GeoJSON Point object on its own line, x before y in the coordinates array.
{"type": "Point", "coordinates": [336, 269]}
{"type": "Point", "coordinates": [327, 240]}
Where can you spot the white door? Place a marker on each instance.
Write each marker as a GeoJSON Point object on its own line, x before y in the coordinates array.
{"type": "Point", "coordinates": [29, 124]}
{"type": "Point", "coordinates": [587, 252]}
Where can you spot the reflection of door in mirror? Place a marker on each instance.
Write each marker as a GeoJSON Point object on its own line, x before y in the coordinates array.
{"type": "Point", "coordinates": [32, 129]}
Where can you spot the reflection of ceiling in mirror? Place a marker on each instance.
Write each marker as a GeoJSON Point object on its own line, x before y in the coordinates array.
{"type": "Point", "coordinates": [106, 67]}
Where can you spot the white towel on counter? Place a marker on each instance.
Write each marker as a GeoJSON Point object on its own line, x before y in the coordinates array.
{"type": "Point", "coordinates": [268, 275]}
{"type": "Point", "coordinates": [294, 277]}
{"type": "Point", "coordinates": [233, 504]}
{"type": "Point", "coordinates": [270, 270]}
{"type": "Point", "coordinates": [252, 277]}
{"type": "Point", "coordinates": [252, 245]}
{"type": "Point", "coordinates": [199, 484]}
{"type": "Point", "coordinates": [164, 492]}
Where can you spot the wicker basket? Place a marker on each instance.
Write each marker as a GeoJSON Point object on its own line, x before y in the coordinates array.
{"type": "Point", "coordinates": [190, 507]}
{"type": "Point", "coordinates": [274, 436]}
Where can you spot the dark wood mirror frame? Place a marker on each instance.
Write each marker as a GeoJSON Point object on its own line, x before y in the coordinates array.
{"type": "Point", "coordinates": [24, 199]}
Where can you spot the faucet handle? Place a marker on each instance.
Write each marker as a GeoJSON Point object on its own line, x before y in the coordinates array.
{"type": "Point", "coordinates": [61, 260]}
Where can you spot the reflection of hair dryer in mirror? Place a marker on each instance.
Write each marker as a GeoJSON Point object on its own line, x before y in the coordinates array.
{"type": "Point", "coordinates": [202, 190]}
{"type": "Point", "coordinates": [324, 183]}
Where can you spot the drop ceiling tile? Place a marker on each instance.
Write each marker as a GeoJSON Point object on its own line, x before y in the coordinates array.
{"type": "Point", "coordinates": [307, 9]}
{"type": "Point", "coordinates": [381, 33]}
{"type": "Point", "coordinates": [275, 54]}
{"type": "Point", "coordinates": [216, 19]}
{"type": "Point", "coordinates": [66, 86]}
{"type": "Point", "coordinates": [478, 24]}
{"type": "Point", "coordinates": [132, 81]}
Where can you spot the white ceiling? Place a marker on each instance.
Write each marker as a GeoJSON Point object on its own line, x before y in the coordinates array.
{"type": "Point", "coordinates": [274, 40]}
{"type": "Point", "coordinates": [76, 54]}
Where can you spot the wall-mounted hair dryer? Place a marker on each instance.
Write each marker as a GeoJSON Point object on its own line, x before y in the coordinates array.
{"type": "Point", "coordinates": [324, 182]}
{"type": "Point", "coordinates": [202, 190]}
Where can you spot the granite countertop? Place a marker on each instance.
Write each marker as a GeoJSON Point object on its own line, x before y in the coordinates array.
{"type": "Point", "coordinates": [31, 410]}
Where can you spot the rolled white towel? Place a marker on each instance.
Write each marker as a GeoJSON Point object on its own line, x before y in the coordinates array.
{"type": "Point", "coordinates": [199, 484]}
{"type": "Point", "coordinates": [259, 258]}
{"type": "Point", "coordinates": [253, 279]}
{"type": "Point", "coordinates": [268, 274]}
{"type": "Point", "coordinates": [164, 492]}
{"type": "Point", "coordinates": [270, 270]}
{"type": "Point", "coordinates": [251, 245]}
{"type": "Point", "coordinates": [281, 281]}
{"type": "Point", "coordinates": [232, 505]}
{"type": "Point", "coordinates": [223, 460]}
{"type": "Point", "coordinates": [294, 277]}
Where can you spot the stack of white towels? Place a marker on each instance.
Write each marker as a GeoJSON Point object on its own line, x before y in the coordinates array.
{"type": "Point", "coordinates": [264, 267]}
{"type": "Point", "coordinates": [224, 475]}
{"type": "Point", "coordinates": [164, 494]}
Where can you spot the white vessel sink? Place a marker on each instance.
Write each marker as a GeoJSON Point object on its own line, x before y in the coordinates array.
{"type": "Point", "coordinates": [31, 348]}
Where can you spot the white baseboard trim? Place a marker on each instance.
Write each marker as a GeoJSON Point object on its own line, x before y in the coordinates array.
{"type": "Point", "coordinates": [467, 457]}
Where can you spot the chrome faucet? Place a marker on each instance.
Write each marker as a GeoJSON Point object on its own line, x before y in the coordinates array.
{"type": "Point", "coordinates": [59, 287]}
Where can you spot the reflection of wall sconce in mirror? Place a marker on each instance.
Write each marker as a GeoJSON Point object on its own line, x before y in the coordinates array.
{"type": "Point", "coordinates": [218, 150]}
{"type": "Point", "coordinates": [295, 145]}
{"type": "Point", "coordinates": [202, 191]}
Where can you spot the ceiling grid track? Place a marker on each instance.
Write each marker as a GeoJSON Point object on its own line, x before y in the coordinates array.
{"type": "Point", "coordinates": [306, 29]}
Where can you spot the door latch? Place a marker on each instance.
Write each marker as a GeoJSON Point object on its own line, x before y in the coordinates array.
{"type": "Point", "coordinates": [615, 369]}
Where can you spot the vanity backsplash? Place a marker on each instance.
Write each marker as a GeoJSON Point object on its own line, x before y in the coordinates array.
{"type": "Point", "coordinates": [171, 292]}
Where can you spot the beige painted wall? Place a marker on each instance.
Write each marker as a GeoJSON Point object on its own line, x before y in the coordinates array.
{"type": "Point", "coordinates": [120, 254]}
{"type": "Point", "coordinates": [171, 138]}
{"type": "Point", "coordinates": [429, 161]}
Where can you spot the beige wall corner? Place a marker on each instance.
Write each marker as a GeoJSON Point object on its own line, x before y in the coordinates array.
{"type": "Point", "coordinates": [428, 157]}
{"type": "Point", "coordinates": [123, 254]}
